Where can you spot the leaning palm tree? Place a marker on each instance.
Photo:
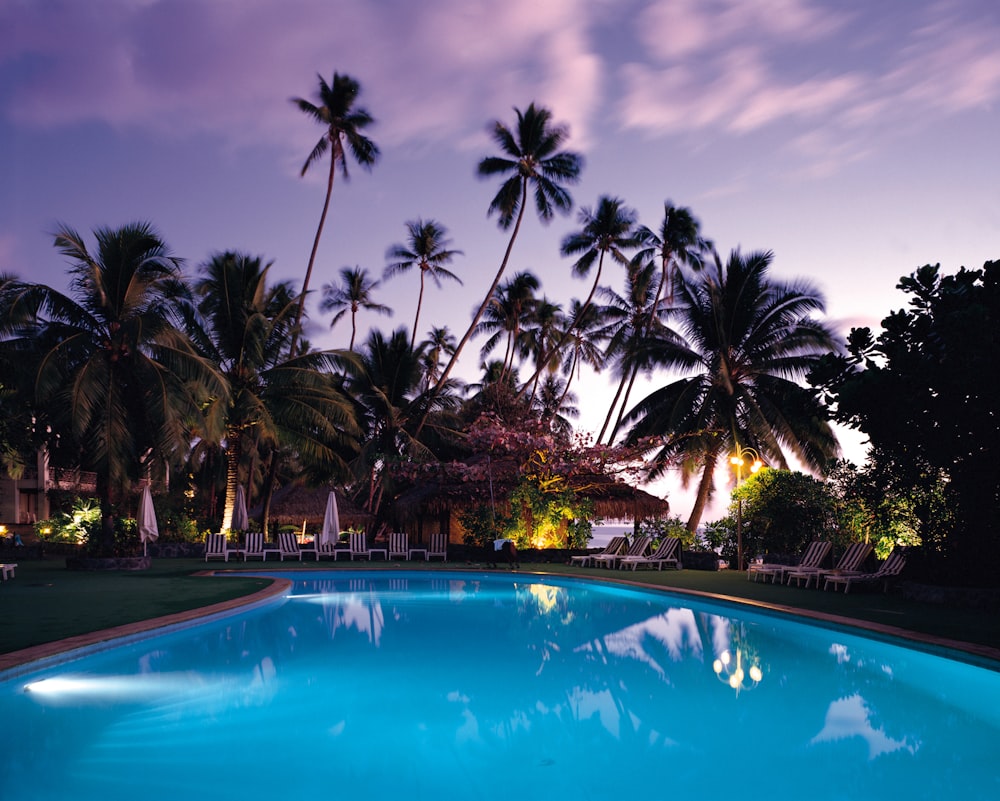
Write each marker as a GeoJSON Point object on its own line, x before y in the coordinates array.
{"type": "Point", "coordinates": [532, 161]}
{"type": "Point", "coordinates": [343, 123]}
{"type": "Point", "coordinates": [427, 249]}
{"type": "Point", "coordinates": [744, 339]}
{"type": "Point", "coordinates": [274, 401]}
{"type": "Point", "coordinates": [111, 365]}
{"type": "Point", "coordinates": [608, 230]}
{"type": "Point", "coordinates": [352, 294]}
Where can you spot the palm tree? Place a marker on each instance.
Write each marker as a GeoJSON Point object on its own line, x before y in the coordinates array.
{"type": "Point", "coordinates": [353, 294]}
{"type": "Point", "coordinates": [439, 343]}
{"type": "Point", "coordinates": [543, 330]}
{"type": "Point", "coordinates": [628, 319]}
{"type": "Point", "coordinates": [343, 123]}
{"type": "Point", "coordinates": [506, 314]}
{"type": "Point", "coordinates": [532, 161]}
{"type": "Point", "coordinates": [112, 367]}
{"type": "Point", "coordinates": [275, 401]}
{"type": "Point", "coordinates": [427, 248]}
{"type": "Point", "coordinates": [608, 230]}
{"type": "Point", "coordinates": [387, 389]}
{"type": "Point", "coordinates": [744, 338]}
{"type": "Point", "coordinates": [586, 337]}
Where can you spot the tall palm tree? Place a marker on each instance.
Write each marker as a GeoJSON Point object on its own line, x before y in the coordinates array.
{"type": "Point", "coordinates": [608, 230]}
{"type": "Point", "coordinates": [532, 161]}
{"type": "Point", "coordinates": [744, 339]}
{"type": "Point", "coordinates": [352, 294]}
{"type": "Point", "coordinates": [343, 123]}
{"type": "Point", "coordinates": [111, 364]}
{"type": "Point", "coordinates": [506, 314]}
{"type": "Point", "coordinates": [628, 319]}
{"type": "Point", "coordinates": [275, 401]}
{"type": "Point", "coordinates": [427, 249]}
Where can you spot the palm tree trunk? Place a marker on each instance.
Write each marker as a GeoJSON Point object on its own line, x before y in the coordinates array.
{"type": "Point", "coordinates": [704, 490]}
{"type": "Point", "coordinates": [232, 477]}
{"type": "Point", "coordinates": [624, 406]}
{"type": "Point", "coordinates": [611, 411]}
{"type": "Point", "coordinates": [416, 317]}
{"type": "Point", "coordinates": [479, 313]}
{"type": "Point", "coordinates": [312, 258]}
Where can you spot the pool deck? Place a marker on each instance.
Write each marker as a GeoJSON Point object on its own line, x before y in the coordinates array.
{"type": "Point", "coordinates": [23, 659]}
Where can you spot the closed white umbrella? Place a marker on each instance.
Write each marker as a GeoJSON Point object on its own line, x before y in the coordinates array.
{"type": "Point", "coordinates": [148, 531]}
{"type": "Point", "coordinates": [331, 521]}
{"type": "Point", "coordinates": [241, 522]}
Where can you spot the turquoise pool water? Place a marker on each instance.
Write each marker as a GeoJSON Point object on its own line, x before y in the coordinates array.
{"type": "Point", "coordinates": [411, 685]}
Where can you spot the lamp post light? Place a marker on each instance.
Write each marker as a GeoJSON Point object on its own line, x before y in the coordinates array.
{"type": "Point", "coordinates": [740, 458]}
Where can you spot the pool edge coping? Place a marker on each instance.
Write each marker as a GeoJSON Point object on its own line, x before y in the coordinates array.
{"type": "Point", "coordinates": [19, 659]}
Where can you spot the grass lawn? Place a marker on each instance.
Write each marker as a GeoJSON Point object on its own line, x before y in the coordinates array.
{"type": "Point", "coordinates": [45, 602]}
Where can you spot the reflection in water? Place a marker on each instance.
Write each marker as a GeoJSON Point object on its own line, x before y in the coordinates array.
{"type": "Point", "coordinates": [850, 717]}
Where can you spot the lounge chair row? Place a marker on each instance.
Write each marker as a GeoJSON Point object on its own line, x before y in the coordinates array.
{"type": "Point", "coordinates": [618, 553]}
{"type": "Point", "coordinates": [217, 547]}
{"type": "Point", "coordinates": [846, 572]}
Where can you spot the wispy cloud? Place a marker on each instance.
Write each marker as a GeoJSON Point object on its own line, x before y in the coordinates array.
{"type": "Point", "coordinates": [724, 65]}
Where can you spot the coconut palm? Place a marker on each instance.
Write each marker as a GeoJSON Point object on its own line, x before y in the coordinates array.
{"type": "Point", "coordinates": [532, 161]}
{"type": "Point", "coordinates": [439, 343]}
{"type": "Point", "coordinates": [675, 244]}
{"type": "Point", "coordinates": [586, 338]}
{"type": "Point", "coordinates": [744, 339]}
{"type": "Point", "coordinates": [427, 249]}
{"type": "Point", "coordinates": [544, 327]}
{"type": "Point", "coordinates": [387, 389]}
{"type": "Point", "coordinates": [352, 294]}
{"type": "Point", "coordinates": [608, 230]}
{"type": "Point", "coordinates": [275, 401]}
{"type": "Point", "coordinates": [628, 319]}
{"type": "Point", "coordinates": [111, 365]}
{"type": "Point", "coordinates": [343, 123]}
{"type": "Point", "coordinates": [506, 314]}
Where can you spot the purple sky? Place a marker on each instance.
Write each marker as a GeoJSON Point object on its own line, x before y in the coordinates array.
{"type": "Point", "coordinates": [855, 139]}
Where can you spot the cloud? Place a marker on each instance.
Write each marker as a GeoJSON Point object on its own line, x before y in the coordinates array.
{"type": "Point", "coordinates": [436, 71]}
{"type": "Point", "coordinates": [849, 80]}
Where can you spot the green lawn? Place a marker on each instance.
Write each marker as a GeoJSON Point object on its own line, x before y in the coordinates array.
{"type": "Point", "coordinates": [45, 602]}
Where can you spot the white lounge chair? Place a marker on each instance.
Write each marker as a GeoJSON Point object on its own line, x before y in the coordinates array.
{"type": "Point", "coordinates": [849, 562]}
{"type": "Point", "coordinates": [438, 546]}
{"type": "Point", "coordinates": [7, 570]}
{"type": "Point", "coordinates": [399, 545]}
{"type": "Point", "coordinates": [889, 569]}
{"type": "Point", "coordinates": [359, 545]}
{"type": "Point", "coordinates": [814, 555]}
{"type": "Point", "coordinates": [667, 552]}
{"type": "Point", "coordinates": [639, 547]}
{"type": "Point", "coordinates": [615, 545]}
{"type": "Point", "coordinates": [253, 545]}
{"type": "Point", "coordinates": [288, 545]}
{"type": "Point", "coordinates": [217, 547]}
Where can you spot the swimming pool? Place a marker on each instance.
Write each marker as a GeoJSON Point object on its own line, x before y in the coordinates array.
{"type": "Point", "coordinates": [414, 685]}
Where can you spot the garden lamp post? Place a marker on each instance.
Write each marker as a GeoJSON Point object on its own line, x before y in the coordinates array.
{"type": "Point", "coordinates": [742, 457]}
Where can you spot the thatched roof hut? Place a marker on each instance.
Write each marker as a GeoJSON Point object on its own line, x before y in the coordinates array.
{"type": "Point", "coordinates": [295, 503]}
{"type": "Point", "coordinates": [611, 498]}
